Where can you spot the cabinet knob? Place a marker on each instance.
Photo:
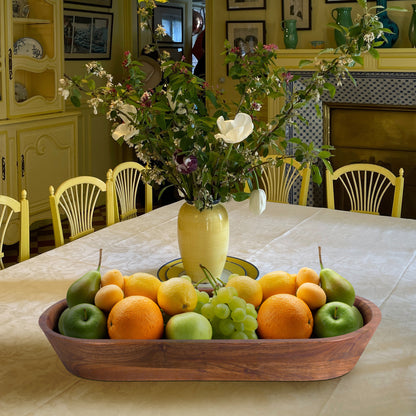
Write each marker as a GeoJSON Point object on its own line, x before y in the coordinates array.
{"type": "Point", "coordinates": [3, 168]}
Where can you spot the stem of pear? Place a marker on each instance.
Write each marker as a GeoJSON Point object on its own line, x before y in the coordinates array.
{"type": "Point", "coordinates": [99, 261]}
{"type": "Point", "coordinates": [320, 257]}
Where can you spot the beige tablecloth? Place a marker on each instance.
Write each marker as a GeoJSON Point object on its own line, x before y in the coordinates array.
{"type": "Point", "coordinates": [377, 254]}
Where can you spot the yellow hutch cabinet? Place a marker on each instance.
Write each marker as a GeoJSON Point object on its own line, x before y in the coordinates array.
{"type": "Point", "coordinates": [38, 140]}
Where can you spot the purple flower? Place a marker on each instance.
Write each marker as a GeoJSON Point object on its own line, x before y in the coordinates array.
{"type": "Point", "coordinates": [185, 164]}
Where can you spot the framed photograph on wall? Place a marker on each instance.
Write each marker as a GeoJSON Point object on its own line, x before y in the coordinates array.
{"type": "Point", "coordinates": [246, 34]}
{"type": "Point", "coordinates": [95, 3]}
{"type": "Point", "coordinates": [172, 19]}
{"type": "Point", "coordinates": [246, 4]}
{"type": "Point", "coordinates": [300, 10]}
{"type": "Point", "coordinates": [87, 35]}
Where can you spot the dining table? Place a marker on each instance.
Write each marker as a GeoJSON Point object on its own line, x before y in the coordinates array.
{"type": "Point", "coordinates": [377, 254]}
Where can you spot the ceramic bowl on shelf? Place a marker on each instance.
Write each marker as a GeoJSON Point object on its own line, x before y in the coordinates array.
{"type": "Point", "coordinates": [227, 360]}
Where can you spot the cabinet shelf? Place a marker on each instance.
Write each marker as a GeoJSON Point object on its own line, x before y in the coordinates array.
{"type": "Point", "coordinates": [30, 21]}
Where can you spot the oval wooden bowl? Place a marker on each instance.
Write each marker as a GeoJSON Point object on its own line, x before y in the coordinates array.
{"type": "Point", "coordinates": [231, 360]}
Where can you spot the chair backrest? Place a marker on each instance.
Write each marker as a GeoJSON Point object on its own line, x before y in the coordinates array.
{"type": "Point", "coordinates": [278, 181]}
{"type": "Point", "coordinates": [366, 185]}
{"type": "Point", "coordinates": [77, 198]}
{"type": "Point", "coordinates": [125, 179]}
{"type": "Point", "coordinates": [8, 206]}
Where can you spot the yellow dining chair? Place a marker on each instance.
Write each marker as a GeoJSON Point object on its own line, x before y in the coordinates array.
{"type": "Point", "coordinates": [77, 198]}
{"type": "Point", "coordinates": [366, 185]}
{"type": "Point", "coordinates": [125, 179]}
{"type": "Point", "coordinates": [278, 181]}
{"type": "Point", "coordinates": [8, 206]}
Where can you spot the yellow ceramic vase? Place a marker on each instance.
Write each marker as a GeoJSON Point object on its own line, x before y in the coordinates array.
{"type": "Point", "coordinates": [203, 239]}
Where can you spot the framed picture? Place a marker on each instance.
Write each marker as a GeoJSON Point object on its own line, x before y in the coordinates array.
{"type": "Point", "coordinates": [246, 4]}
{"type": "Point", "coordinates": [246, 34]}
{"type": "Point", "coordinates": [172, 19]}
{"type": "Point", "coordinates": [337, 1]}
{"type": "Point", "coordinates": [300, 10]}
{"type": "Point", "coordinates": [97, 3]}
{"type": "Point", "coordinates": [87, 35]}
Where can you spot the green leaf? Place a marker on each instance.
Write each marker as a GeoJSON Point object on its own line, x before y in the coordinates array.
{"type": "Point", "coordinates": [330, 88]}
{"type": "Point", "coordinates": [305, 62]}
{"type": "Point", "coordinates": [75, 101]}
{"type": "Point", "coordinates": [358, 59]}
{"type": "Point", "coordinates": [316, 175]}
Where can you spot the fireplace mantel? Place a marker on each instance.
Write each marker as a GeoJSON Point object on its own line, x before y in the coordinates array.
{"type": "Point", "coordinates": [391, 59]}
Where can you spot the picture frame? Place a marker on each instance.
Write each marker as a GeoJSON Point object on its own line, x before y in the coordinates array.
{"type": "Point", "coordinates": [87, 35]}
{"type": "Point", "coordinates": [172, 19]}
{"type": "Point", "coordinates": [246, 4]}
{"type": "Point", "coordinates": [95, 3]}
{"type": "Point", "coordinates": [337, 1]}
{"type": "Point", "coordinates": [246, 34]}
{"type": "Point", "coordinates": [300, 10]}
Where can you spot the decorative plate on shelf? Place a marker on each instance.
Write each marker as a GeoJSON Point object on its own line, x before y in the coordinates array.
{"type": "Point", "coordinates": [20, 92]}
{"type": "Point", "coordinates": [233, 265]}
{"type": "Point", "coordinates": [28, 47]}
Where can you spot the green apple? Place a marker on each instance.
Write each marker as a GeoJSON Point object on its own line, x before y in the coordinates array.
{"type": "Point", "coordinates": [335, 318]}
{"type": "Point", "coordinates": [83, 321]}
{"type": "Point", "coordinates": [359, 316]}
{"type": "Point", "coordinates": [188, 325]}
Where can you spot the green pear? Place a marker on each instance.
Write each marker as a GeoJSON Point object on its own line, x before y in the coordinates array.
{"type": "Point", "coordinates": [336, 287]}
{"type": "Point", "coordinates": [84, 289]}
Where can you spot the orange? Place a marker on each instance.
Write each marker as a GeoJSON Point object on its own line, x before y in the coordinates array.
{"type": "Point", "coordinates": [277, 282]}
{"type": "Point", "coordinates": [135, 317]}
{"type": "Point", "coordinates": [313, 295]}
{"type": "Point", "coordinates": [247, 288]}
{"type": "Point", "coordinates": [306, 274]}
{"type": "Point", "coordinates": [177, 295]}
{"type": "Point", "coordinates": [284, 316]}
{"type": "Point", "coordinates": [112, 277]}
{"type": "Point", "coordinates": [142, 284]}
{"type": "Point", "coordinates": [107, 296]}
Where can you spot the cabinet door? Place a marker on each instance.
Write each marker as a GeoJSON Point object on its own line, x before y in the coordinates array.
{"type": "Point", "coordinates": [35, 57]}
{"type": "Point", "coordinates": [47, 156]}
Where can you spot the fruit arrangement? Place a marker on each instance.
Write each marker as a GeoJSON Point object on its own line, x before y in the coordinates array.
{"type": "Point", "coordinates": [278, 305]}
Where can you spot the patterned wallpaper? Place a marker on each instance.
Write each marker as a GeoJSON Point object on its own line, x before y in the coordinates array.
{"type": "Point", "coordinates": [389, 88]}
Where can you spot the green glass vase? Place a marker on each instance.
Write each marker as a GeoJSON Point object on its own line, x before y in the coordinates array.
{"type": "Point", "coordinates": [290, 33]}
{"type": "Point", "coordinates": [342, 16]}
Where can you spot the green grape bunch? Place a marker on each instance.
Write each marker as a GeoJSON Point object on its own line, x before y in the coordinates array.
{"type": "Point", "coordinates": [231, 317]}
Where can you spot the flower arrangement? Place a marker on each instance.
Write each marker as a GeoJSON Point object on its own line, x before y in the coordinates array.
{"type": "Point", "coordinates": [189, 137]}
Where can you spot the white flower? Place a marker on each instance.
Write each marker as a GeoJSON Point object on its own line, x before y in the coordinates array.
{"type": "Point", "coordinates": [125, 129]}
{"type": "Point", "coordinates": [235, 131]}
{"type": "Point", "coordinates": [64, 92]}
{"type": "Point", "coordinates": [257, 202]}
{"type": "Point", "coordinates": [180, 108]}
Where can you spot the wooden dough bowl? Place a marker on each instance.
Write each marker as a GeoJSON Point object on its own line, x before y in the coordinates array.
{"type": "Point", "coordinates": [228, 360]}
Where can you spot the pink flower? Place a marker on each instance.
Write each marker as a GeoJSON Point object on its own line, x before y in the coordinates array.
{"type": "Point", "coordinates": [287, 76]}
{"type": "Point", "coordinates": [270, 47]}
